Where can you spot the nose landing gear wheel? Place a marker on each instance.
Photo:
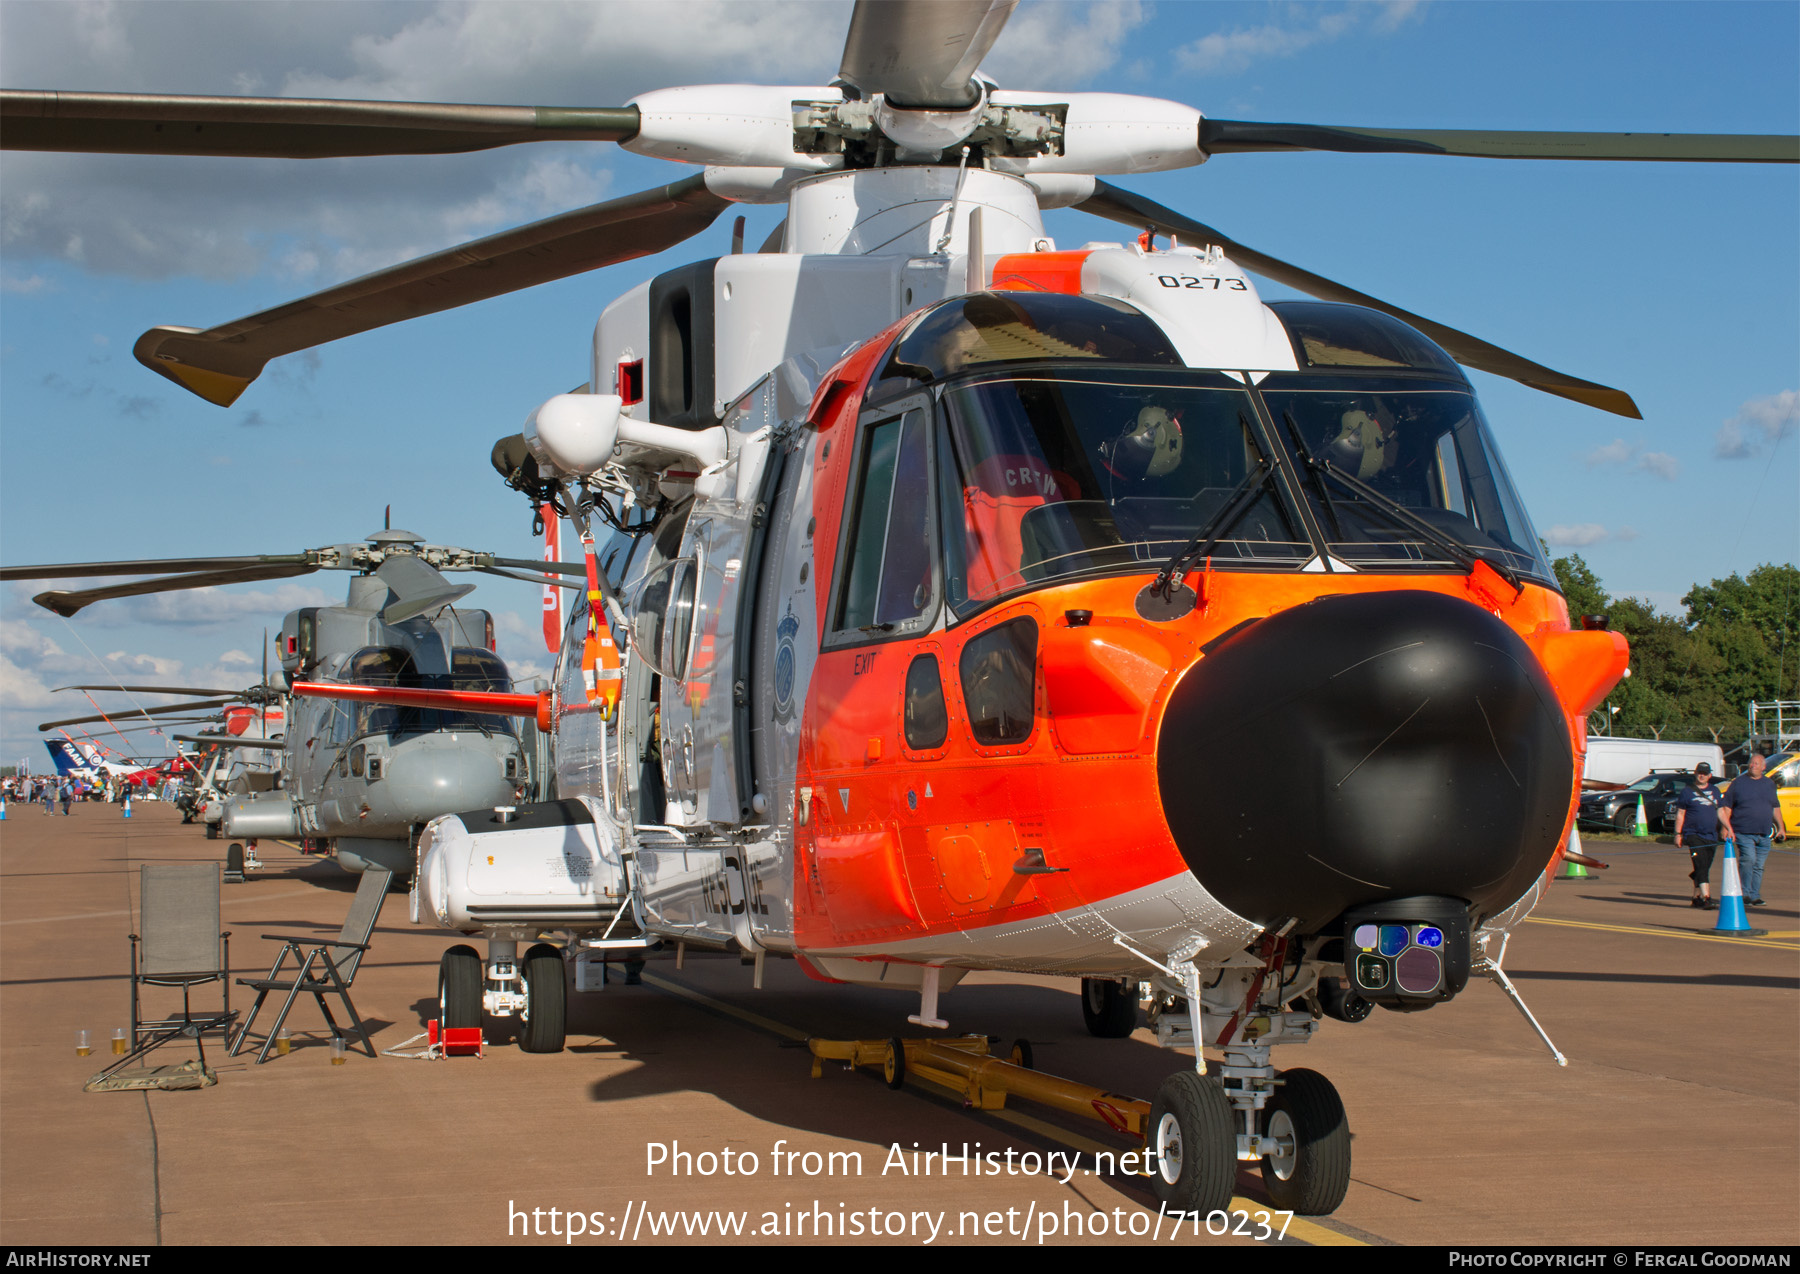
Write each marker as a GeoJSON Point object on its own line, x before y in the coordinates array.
{"type": "Point", "coordinates": [459, 987]}
{"type": "Point", "coordinates": [1310, 1172]}
{"type": "Point", "coordinates": [1109, 1010]}
{"type": "Point", "coordinates": [546, 1002]}
{"type": "Point", "coordinates": [1193, 1137]}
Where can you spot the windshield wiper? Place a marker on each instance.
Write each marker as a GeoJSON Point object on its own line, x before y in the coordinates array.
{"type": "Point", "coordinates": [1464, 555]}
{"type": "Point", "coordinates": [1312, 473]}
{"type": "Point", "coordinates": [1240, 500]}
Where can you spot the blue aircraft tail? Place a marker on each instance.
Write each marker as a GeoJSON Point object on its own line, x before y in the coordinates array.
{"type": "Point", "coordinates": [64, 756]}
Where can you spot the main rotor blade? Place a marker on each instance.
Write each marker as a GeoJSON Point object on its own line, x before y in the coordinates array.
{"type": "Point", "coordinates": [1135, 210]}
{"type": "Point", "coordinates": [230, 741]}
{"type": "Point", "coordinates": [922, 53]}
{"type": "Point", "coordinates": [156, 690]}
{"type": "Point", "coordinates": [219, 364]}
{"type": "Point", "coordinates": [288, 127]}
{"type": "Point", "coordinates": [68, 603]}
{"type": "Point", "coordinates": [1236, 136]}
{"type": "Point", "coordinates": [165, 710]}
{"type": "Point", "coordinates": [539, 580]}
{"type": "Point", "coordinates": [488, 702]}
{"type": "Point", "coordinates": [82, 570]}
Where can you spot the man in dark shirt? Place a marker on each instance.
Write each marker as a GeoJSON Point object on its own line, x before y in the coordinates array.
{"type": "Point", "coordinates": [1697, 819]}
{"type": "Point", "coordinates": [1750, 814]}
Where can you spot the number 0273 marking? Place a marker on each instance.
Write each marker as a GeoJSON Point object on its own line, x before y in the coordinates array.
{"type": "Point", "coordinates": [1200, 282]}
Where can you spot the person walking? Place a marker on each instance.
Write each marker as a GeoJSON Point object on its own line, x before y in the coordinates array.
{"type": "Point", "coordinates": [68, 797]}
{"type": "Point", "coordinates": [1751, 815]}
{"type": "Point", "coordinates": [1697, 820]}
{"type": "Point", "coordinates": [49, 792]}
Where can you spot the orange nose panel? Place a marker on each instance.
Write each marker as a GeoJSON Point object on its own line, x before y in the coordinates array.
{"type": "Point", "coordinates": [1099, 679]}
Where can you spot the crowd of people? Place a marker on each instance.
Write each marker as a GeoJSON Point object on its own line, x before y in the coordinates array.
{"type": "Point", "coordinates": [67, 791]}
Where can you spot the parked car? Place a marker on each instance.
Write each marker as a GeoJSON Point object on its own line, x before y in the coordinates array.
{"type": "Point", "coordinates": [1616, 811]}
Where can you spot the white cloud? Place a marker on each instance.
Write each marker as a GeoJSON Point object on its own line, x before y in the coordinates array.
{"type": "Point", "coordinates": [1072, 43]}
{"type": "Point", "coordinates": [1618, 451]}
{"type": "Point", "coordinates": [27, 286]}
{"type": "Point", "coordinates": [325, 220]}
{"type": "Point", "coordinates": [1579, 535]}
{"type": "Point", "coordinates": [1632, 455]}
{"type": "Point", "coordinates": [1227, 52]}
{"type": "Point", "coordinates": [1759, 423]}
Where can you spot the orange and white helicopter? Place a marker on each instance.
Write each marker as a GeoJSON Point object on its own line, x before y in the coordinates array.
{"type": "Point", "coordinates": [957, 600]}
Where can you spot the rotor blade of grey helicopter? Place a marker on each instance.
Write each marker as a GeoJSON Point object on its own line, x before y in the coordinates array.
{"type": "Point", "coordinates": [1237, 136]}
{"type": "Point", "coordinates": [156, 690]}
{"type": "Point", "coordinates": [67, 603]}
{"type": "Point", "coordinates": [921, 54]}
{"type": "Point", "coordinates": [1135, 210]}
{"type": "Point", "coordinates": [230, 741]}
{"type": "Point", "coordinates": [165, 710]}
{"type": "Point", "coordinates": [150, 566]}
{"type": "Point", "coordinates": [218, 364]}
{"type": "Point", "coordinates": [526, 564]}
{"type": "Point", "coordinates": [417, 587]}
{"type": "Point", "coordinates": [288, 127]}
{"type": "Point", "coordinates": [529, 579]}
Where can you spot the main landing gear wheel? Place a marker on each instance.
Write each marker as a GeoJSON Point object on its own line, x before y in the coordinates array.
{"type": "Point", "coordinates": [1109, 1010]}
{"type": "Point", "coordinates": [1194, 1138]}
{"type": "Point", "coordinates": [893, 1063]}
{"type": "Point", "coordinates": [546, 1001]}
{"type": "Point", "coordinates": [212, 831]}
{"type": "Point", "coordinates": [234, 863]}
{"type": "Point", "coordinates": [459, 987]}
{"type": "Point", "coordinates": [1310, 1172]}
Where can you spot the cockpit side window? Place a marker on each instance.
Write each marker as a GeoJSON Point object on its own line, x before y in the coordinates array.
{"type": "Point", "coordinates": [889, 582]}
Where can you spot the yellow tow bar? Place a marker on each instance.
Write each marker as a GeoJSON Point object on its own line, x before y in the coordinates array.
{"type": "Point", "coordinates": [964, 1064]}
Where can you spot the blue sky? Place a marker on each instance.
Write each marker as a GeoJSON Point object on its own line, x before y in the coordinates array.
{"type": "Point", "coordinates": [1679, 283]}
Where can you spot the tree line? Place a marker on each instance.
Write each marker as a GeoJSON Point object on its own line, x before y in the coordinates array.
{"type": "Point", "coordinates": [1694, 675]}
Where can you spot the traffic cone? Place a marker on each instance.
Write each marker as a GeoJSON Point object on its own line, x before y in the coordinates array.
{"type": "Point", "coordinates": [1643, 824]}
{"type": "Point", "coordinates": [1732, 917]}
{"type": "Point", "coordinates": [1573, 870]}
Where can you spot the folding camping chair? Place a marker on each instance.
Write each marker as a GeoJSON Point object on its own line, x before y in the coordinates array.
{"type": "Point", "coordinates": [337, 960]}
{"type": "Point", "coordinates": [180, 944]}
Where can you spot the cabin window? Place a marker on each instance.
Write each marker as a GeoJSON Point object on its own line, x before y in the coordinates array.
{"type": "Point", "coordinates": [889, 582]}
{"type": "Point", "coordinates": [663, 629]}
{"type": "Point", "coordinates": [999, 678]}
{"type": "Point", "coordinates": [926, 719]}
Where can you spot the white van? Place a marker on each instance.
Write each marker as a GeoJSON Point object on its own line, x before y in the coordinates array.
{"type": "Point", "coordinates": [1613, 760]}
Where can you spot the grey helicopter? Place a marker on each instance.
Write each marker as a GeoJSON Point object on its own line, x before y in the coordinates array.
{"type": "Point", "coordinates": [353, 779]}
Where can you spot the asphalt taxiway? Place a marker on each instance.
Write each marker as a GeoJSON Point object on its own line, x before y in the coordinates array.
{"type": "Point", "coordinates": [1677, 1120]}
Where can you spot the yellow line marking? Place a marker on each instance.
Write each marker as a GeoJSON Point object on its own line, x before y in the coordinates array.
{"type": "Point", "coordinates": [1663, 933]}
{"type": "Point", "coordinates": [1299, 1228]}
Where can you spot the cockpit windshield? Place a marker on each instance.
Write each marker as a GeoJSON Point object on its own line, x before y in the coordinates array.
{"type": "Point", "coordinates": [471, 669]}
{"type": "Point", "coordinates": [1057, 471]}
{"type": "Point", "coordinates": [1406, 443]}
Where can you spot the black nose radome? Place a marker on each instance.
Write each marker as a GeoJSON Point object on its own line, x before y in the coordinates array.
{"type": "Point", "coordinates": [1363, 747]}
